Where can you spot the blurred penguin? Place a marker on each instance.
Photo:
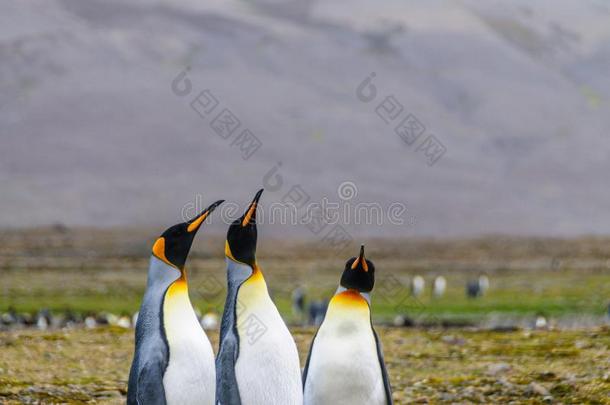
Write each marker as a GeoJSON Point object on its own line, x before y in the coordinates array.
{"type": "Point", "coordinates": [43, 319]}
{"type": "Point", "coordinates": [472, 289]}
{"type": "Point", "coordinates": [477, 288]}
{"type": "Point", "coordinates": [210, 320]}
{"type": "Point", "coordinates": [418, 284]}
{"type": "Point", "coordinates": [317, 311]}
{"type": "Point", "coordinates": [439, 285]}
{"type": "Point", "coordinates": [298, 302]}
{"type": "Point", "coordinates": [483, 283]}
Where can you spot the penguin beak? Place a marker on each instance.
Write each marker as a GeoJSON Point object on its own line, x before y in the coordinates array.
{"type": "Point", "coordinates": [250, 216]}
{"type": "Point", "coordinates": [195, 224]}
{"type": "Point", "coordinates": [361, 260]}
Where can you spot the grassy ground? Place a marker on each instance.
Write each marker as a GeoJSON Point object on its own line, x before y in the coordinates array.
{"type": "Point", "coordinates": [425, 366]}
{"type": "Point", "coordinates": [92, 271]}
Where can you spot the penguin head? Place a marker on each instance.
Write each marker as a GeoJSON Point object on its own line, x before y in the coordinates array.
{"type": "Point", "coordinates": [359, 274]}
{"type": "Point", "coordinates": [174, 244]}
{"type": "Point", "coordinates": [241, 236]}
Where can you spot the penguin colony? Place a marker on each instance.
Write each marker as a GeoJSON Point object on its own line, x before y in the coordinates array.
{"type": "Point", "coordinates": [174, 362]}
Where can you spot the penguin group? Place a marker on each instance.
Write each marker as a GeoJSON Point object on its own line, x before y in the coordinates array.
{"type": "Point", "coordinates": [257, 360]}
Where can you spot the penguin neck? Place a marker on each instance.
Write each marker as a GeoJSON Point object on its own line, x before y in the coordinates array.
{"type": "Point", "coordinates": [239, 273]}
{"type": "Point", "coordinates": [348, 307]}
{"type": "Point", "coordinates": [365, 295]}
{"type": "Point", "coordinates": [178, 292]}
{"type": "Point", "coordinates": [161, 274]}
{"type": "Point", "coordinates": [180, 320]}
{"type": "Point", "coordinates": [245, 279]}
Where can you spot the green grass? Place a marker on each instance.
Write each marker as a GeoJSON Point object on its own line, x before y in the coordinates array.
{"type": "Point", "coordinates": [120, 292]}
{"type": "Point", "coordinates": [97, 271]}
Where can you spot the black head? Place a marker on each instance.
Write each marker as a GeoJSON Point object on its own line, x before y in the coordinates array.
{"type": "Point", "coordinates": [359, 273]}
{"type": "Point", "coordinates": [241, 236]}
{"type": "Point", "coordinates": [174, 244]}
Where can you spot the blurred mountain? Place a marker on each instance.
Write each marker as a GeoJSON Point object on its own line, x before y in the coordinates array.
{"type": "Point", "coordinates": [95, 129]}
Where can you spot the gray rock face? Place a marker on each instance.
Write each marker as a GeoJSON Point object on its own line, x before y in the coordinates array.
{"type": "Point", "coordinates": [93, 133]}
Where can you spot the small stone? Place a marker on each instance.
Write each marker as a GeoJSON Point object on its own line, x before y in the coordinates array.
{"type": "Point", "coordinates": [505, 383]}
{"type": "Point", "coordinates": [447, 397]}
{"type": "Point", "coordinates": [498, 368]}
{"type": "Point", "coordinates": [538, 389]}
{"type": "Point", "coordinates": [453, 340]}
{"type": "Point", "coordinates": [581, 344]}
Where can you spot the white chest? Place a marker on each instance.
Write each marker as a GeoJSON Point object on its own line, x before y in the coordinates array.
{"type": "Point", "coordinates": [344, 367]}
{"type": "Point", "coordinates": [267, 369]}
{"type": "Point", "coordinates": [190, 377]}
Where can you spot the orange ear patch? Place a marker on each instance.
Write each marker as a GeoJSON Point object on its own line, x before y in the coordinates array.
{"type": "Point", "coordinates": [228, 252]}
{"type": "Point", "coordinates": [159, 250]}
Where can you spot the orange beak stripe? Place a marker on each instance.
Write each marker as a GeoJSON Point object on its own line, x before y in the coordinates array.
{"type": "Point", "coordinates": [197, 223]}
{"type": "Point", "coordinates": [249, 214]}
{"type": "Point", "coordinates": [365, 266]}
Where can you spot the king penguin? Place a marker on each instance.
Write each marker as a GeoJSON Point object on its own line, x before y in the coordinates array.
{"type": "Point", "coordinates": [173, 361]}
{"type": "Point", "coordinates": [345, 363]}
{"type": "Point", "coordinates": [257, 361]}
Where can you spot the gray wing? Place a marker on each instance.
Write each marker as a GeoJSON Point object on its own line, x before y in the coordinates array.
{"type": "Point", "coordinates": [384, 371]}
{"type": "Point", "coordinates": [151, 349]}
{"type": "Point", "coordinates": [227, 390]}
{"type": "Point", "coordinates": [149, 387]}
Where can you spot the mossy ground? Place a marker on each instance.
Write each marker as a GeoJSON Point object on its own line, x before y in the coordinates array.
{"type": "Point", "coordinates": [425, 366]}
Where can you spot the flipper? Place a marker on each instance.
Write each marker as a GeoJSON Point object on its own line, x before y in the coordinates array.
{"type": "Point", "coordinates": [306, 369]}
{"type": "Point", "coordinates": [152, 354]}
{"type": "Point", "coordinates": [149, 388]}
{"type": "Point", "coordinates": [384, 371]}
{"type": "Point", "coordinates": [227, 390]}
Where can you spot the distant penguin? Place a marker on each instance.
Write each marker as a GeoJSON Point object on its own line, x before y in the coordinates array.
{"type": "Point", "coordinates": [472, 289]}
{"type": "Point", "coordinates": [439, 285]}
{"type": "Point", "coordinates": [483, 283]}
{"type": "Point", "coordinates": [257, 361]}
{"type": "Point", "coordinates": [173, 361]}
{"type": "Point", "coordinates": [477, 288]}
{"type": "Point", "coordinates": [298, 302]}
{"type": "Point", "coordinates": [124, 322]}
{"type": "Point", "coordinates": [418, 284]}
{"type": "Point", "coordinates": [540, 322]}
{"type": "Point", "coordinates": [345, 363]}
{"type": "Point", "coordinates": [317, 311]}
{"type": "Point", "coordinates": [43, 319]}
{"type": "Point", "coordinates": [90, 322]}
{"type": "Point", "coordinates": [209, 321]}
